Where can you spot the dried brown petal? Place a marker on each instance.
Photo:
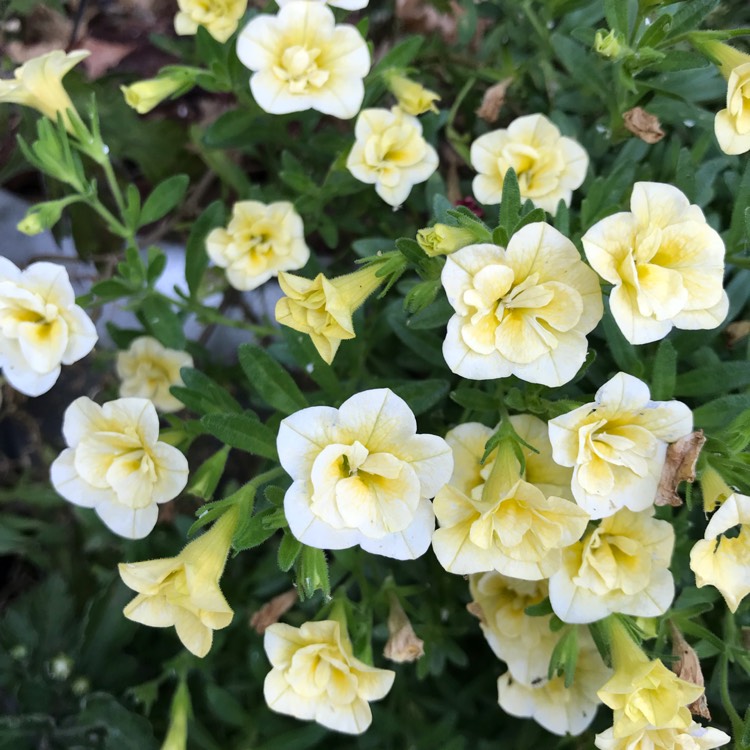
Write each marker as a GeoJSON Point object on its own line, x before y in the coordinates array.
{"type": "Point", "coordinates": [271, 611]}
{"type": "Point", "coordinates": [403, 644]}
{"type": "Point", "coordinates": [493, 100]}
{"type": "Point", "coordinates": [474, 608]}
{"type": "Point", "coordinates": [679, 466]}
{"type": "Point", "coordinates": [643, 124]}
{"type": "Point", "coordinates": [688, 667]}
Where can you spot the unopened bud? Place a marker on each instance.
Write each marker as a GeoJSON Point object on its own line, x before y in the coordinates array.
{"type": "Point", "coordinates": [443, 239]}
{"type": "Point", "coordinates": [413, 98]}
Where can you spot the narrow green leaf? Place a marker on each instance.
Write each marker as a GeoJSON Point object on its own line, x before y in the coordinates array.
{"type": "Point", "coordinates": [715, 379]}
{"type": "Point", "coordinates": [164, 197]}
{"type": "Point", "coordinates": [196, 258]}
{"type": "Point", "coordinates": [242, 432]}
{"type": "Point", "coordinates": [272, 382]}
{"type": "Point", "coordinates": [510, 203]}
{"type": "Point", "coordinates": [253, 531]}
{"type": "Point", "coordinates": [289, 549]}
{"type": "Point", "coordinates": [162, 321]}
{"type": "Point", "coordinates": [664, 372]}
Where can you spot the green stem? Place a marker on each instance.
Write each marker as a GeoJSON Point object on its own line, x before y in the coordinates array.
{"type": "Point", "coordinates": [114, 186]}
{"type": "Point", "coordinates": [726, 701]}
{"type": "Point", "coordinates": [267, 476]}
{"type": "Point", "coordinates": [119, 229]}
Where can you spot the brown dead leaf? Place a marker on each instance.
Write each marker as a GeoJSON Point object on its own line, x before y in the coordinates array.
{"type": "Point", "coordinates": [403, 645]}
{"type": "Point", "coordinates": [474, 608]}
{"type": "Point", "coordinates": [736, 331]}
{"type": "Point", "coordinates": [493, 100]}
{"type": "Point", "coordinates": [643, 124]}
{"type": "Point", "coordinates": [688, 667]}
{"type": "Point", "coordinates": [104, 55]}
{"type": "Point", "coordinates": [421, 17]}
{"type": "Point", "coordinates": [679, 466]}
{"type": "Point", "coordinates": [271, 612]}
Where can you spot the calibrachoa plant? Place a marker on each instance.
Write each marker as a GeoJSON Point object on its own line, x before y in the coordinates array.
{"type": "Point", "coordinates": [430, 423]}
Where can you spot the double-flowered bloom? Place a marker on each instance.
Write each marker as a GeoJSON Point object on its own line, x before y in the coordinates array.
{"type": "Point", "coordinates": [493, 517]}
{"type": "Point", "coordinates": [302, 60]}
{"type": "Point", "coordinates": [665, 262]}
{"type": "Point", "coordinates": [617, 445]}
{"type": "Point", "coordinates": [260, 240]}
{"type": "Point", "coordinates": [116, 464]}
{"type": "Point", "coordinates": [219, 17]}
{"type": "Point", "coordinates": [316, 676]}
{"type": "Point", "coordinates": [362, 475]}
{"type": "Point", "coordinates": [41, 327]}
{"type": "Point", "coordinates": [391, 153]}
{"type": "Point", "coordinates": [549, 167]}
{"type": "Point", "coordinates": [522, 311]}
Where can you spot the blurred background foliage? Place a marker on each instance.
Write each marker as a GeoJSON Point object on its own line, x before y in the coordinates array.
{"type": "Point", "coordinates": [74, 673]}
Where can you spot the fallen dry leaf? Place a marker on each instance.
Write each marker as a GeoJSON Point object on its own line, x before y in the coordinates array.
{"type": "Point", "coordinates": [271, 612]}
{"type": "Point", "coordinates": [736, 331]}
{"type": "Point", "coordinates": [493, 100]}
{"type": "Point", "coordinates": [688, 667]}
{"type": "Point", "coordinates": [679, 466]}
{"type": "Point", "coordinates": [403, 645]}
{"type": "Point", "coordinates": [643, 124]}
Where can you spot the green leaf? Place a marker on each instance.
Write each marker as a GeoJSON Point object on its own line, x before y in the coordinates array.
{"type": "Point", "coordinates": [623, 352]}
{"type": "Point", "coordinates": [289, 549]}
{"type": "Point", "coordinates": [196, 258]}
{"type": "Point", "coordinates": [664, 372]}
{"type": "Point", "coordinates": [162, 321]}
{"type": "Point", "coordinates": [202, 394]}
{"type": "Point", "coordinates": [253, 531]}
{"type": "Point", "coordinates": [540, 609]}
{"type": "Point", "coordinates": [565, 657]}
{"type": "Point", "coordinates": [691, 15]}
{"type": "Point", "coordinates": [311, 571]}
{"type": "Point", "coordinates": [243, 432]}
{"type": "Point", "coordinates": [112, 289]}
{"type": "Point", "coordinates": [157, 262]}
{"type": "Point", "coordinates": [272, 382]}
{"type": "Point", "coordinates": [422, 395]}
{"type": "Point", "coordinates": [510, 202]}
{"type": "Point", "coordinates": [474, 399]}
{"type": "Point", "coordinates": [740, 215]}
{"type": "Point", "coordinates": [716, 413]}
{"type": "Point", "coordinates": [617, 15]}
{"type": "Point", "coordinates": [164, 197]}
{"type": "Point", "coordinates": [205, 479]}
{"type": "Point", "coordinates": [656, 31]}
{"type": "Point", "coordinates": [707, 381]}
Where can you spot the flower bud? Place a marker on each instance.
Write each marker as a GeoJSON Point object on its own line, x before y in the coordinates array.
{"type": "Point", "coordinates": [442, 239]}
{"type": "Point", "coordinates": [609, 45]}
{"type": "Point", "coordinates": [413, 98]}
{"type": "Point", "coordinates": [143, 96]}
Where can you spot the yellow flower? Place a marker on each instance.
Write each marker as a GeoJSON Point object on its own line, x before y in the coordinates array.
{"type": "Point", "coordinates": [412, 97]}
{"type": "Point", "coordinates": [323, 308]}
{"type": "Point", "coordinates": [505, 524]}
{"type": "Point", "coordinates": [549, 166]}
{"type": "Point", "coordinates": [38, 84]}
{"type": "Point", "coordinates": [522, 311]}
{"type": "Point", "coordinates": [722, 561]}
{"type": "Point", "coordinates": [665, 261]}
{"type": "Point", "coordinates": [391, 153]}
{"type": "Point", "coordinates": [559, 709]}
{"type": "Point", "coordinates": [143, 96]}
{"type": "Point", "coordinates": [732, 125]}
{"type": "Point", "coordinates": [302, 60]}
{"type": "Point", "coordinates": [184, 591]}
{"type": "Point", "coordinates": [644, 693]}
{"type": "Point", "coordinates": [116, 464]}
{"type": "Point", "coordinates": [316, 676]}
{"type": "Point", "coordinates": [219, 17]}
{"type": "Point", "coordinates": [618, 445]}
{"type": "Point", "coordinates": [148, 369]}
{"type": "Point", "coordinates": [362, 475]}
{"type": "Point", "coordinates": [622, 565]}
{"type": "Point", "coordinates": [261, 240]}
{"type": "Point", "coordinates": [693, 737]}
{"type": "Point", "coordinates": [515, 637]}
{"type": "Point", "coordinates": [41, 327]}
{"type": "Point", "coordinates": [442, 239]}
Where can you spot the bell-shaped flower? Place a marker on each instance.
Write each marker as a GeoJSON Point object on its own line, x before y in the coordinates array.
{"type": "Point", "coordinates": [219, 17]}
{"type": "Point", "coordinates": [643, 693]}
{"type": "Point", "coordinates": [665, 262]}
{"type": "Point", "coordinates": [116, 464]}
{"type": "Point", "coordinates": [505, 524]}
{"type": "Point", "coordinates": [302, 60]}
{"type": "Point", "coordinates": [38, 84]}
{"type": "Point", "coordinates": [148, 369]}
{"type": "Point", "coordinates": [183, 592]}
{"type": "Point", "coordinates": [693, 737]}
{"type": "Point", "coordinates": [522, 311]}
{"type": "Point", "coordinates": [621, 565]}
{"type": "Point", "coordinates": [617, 445]}
{"type": "Point", "coordinates": [316, 676]}
{"type": "Point", "coordinates": [723, 561]}
{"type": "Point", "coordinates": [323, 308]}
{"type": "Point", "coordinates": [362, 475]}
{"type": "Point", "coordinates": [260, 240]}
{"type": "Point", "coordinates": [559, 709]}
{"type": "Point", "coordinates": [41, 327]}
{"type": "Point", "coordinates": [391, 153]}
{"type": "Point", "coordinates": [549, 166]}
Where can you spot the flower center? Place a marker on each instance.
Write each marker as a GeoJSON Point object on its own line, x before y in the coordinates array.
{"type": "Point", "coordinates": [298, 67]}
